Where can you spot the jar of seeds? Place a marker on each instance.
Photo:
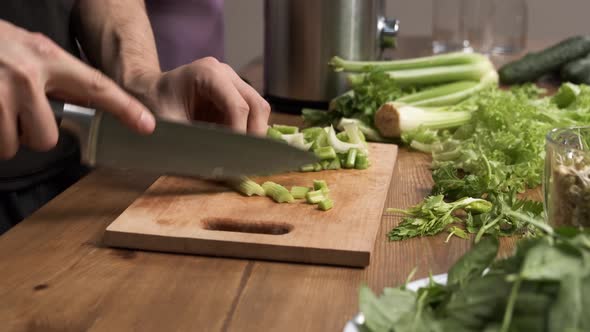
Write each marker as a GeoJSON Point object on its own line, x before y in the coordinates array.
{"type": "Point", "coordinates": [566, 184]}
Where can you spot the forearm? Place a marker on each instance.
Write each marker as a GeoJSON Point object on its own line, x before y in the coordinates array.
{"type": "Point", "coordinates": [117, 38]}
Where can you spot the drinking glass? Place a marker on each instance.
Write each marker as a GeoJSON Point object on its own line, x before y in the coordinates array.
{"type": "Point", "coordinates": [506, 27]}
{"type": "Point", "coordinates": [456, 25]}
{"type": "Point", "coordinates": [486, 26]}
{"type": "Point", "coordinates": [566, 183]}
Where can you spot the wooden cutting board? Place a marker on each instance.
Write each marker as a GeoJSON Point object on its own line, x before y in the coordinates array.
{"type": "Point", "coordinates": [198, 217]}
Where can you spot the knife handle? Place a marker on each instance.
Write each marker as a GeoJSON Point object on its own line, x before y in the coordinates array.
{"type": "Point", "coordinates": [57, 107]}
{"type": "Point", "coordinates": [80, 121]}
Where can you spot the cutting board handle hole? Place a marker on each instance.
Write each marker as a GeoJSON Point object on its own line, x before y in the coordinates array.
{"type": "Point", "coordinates": [257, 227]}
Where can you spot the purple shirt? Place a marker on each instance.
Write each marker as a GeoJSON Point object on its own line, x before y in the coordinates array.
{"type": "Point", "coordinates": [186, 30]}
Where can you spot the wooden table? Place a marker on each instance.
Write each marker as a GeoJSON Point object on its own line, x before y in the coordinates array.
{"type": "Point", "coordinates": [55, 275]}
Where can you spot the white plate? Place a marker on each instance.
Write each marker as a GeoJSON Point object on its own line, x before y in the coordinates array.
{"type": "Point", "coordinates": [359, 319]}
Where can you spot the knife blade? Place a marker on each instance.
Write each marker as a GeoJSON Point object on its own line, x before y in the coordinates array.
{"type": "Point", "coordinates": [197, 149]}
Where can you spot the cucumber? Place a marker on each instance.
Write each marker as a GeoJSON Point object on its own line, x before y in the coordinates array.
{"type": "Point", "coordinates": [577, 71]}
{"type": "Point", "coordinates": [534, 65]}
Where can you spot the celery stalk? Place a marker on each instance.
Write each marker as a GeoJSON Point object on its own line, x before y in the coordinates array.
{"type": "Point", "coordinates": [325, 164]}
{"type": "Point", "coordinates": [457, 58]}
{"type": "Point", "coordinates": [299, 192]}
{"type": "Point", "coordinates": [435, 75]}
{"type": "Point", "coordinates": [325, 152]}
{"type": "Point", "coordinates": [437, 92]}
{"type": "Point", "coordinates": [317, 167]}
{"type": "Point", "coordinates": [393, 119]}
{"type": "Point", "coordinates": [326, 204]}
{"type": "Point", "coordinates": [454, 97]}
{"type": "Point", "coordinates": [277, 192]}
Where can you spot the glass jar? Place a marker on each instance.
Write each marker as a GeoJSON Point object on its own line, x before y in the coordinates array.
{"type": "Point", "coordinates": [497, 27]}
{"type": "Point", "coordinates": [566, 183]}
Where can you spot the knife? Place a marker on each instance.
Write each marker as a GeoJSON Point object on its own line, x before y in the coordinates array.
{"type": "Point", "coordinates": [197, 149]}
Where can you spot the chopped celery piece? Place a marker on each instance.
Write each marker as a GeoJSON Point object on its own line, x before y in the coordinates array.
{"type": "Point", "coordinates": [319, 184]}
{"type": "Point", "coordinates": [365, 130]}
{"type": "Point", "coordinates": [287, 130]}
{"type": "Point", "coordinates": [314, 197]}
{"type": "Point", "coordinates": [311, 134]}
{"type": "Point", "coordinates": [321, 140]}
{"type": "Point", "coordinates": [307, 168]}
{"type": "Point", "coordinates": [249, 187]}
{"type": "Point", "coordinates": [361, 162]}
{"type": "Point", "coordinates": [274, 134]}
{"type": "Point", "coordinates": [325, 164]}
{"type": "Point", "coordinates": [325, 152]}
{"type": "Point", "coordinates": [277, 192]}
{"type": "Point", "coordinates": [326, 204]}
{"type": "Point", "coordinates": [343, 136]}
{"type": "Point", "coordinates": [334, 164]}
{"type": "Point", "coordinates": [299, 192]}
{"type": "Point", "coordinates": [351, 158]}
{"type": "Point", "coordinates": [342, 158]}
{"type": "Point", "coordinates": [317, 167]}
{"type": "Point", "coordinates": [296, 140]}
{"type": "Point", "coordinates": [343, 147]}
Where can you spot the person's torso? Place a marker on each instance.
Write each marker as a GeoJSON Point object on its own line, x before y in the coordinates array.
{"type": "Point", "coordinates": [53, 19]}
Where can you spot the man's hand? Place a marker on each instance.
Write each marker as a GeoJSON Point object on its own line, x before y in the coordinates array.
{"type": "Point", "coordinates": [205, 90]}
{"type": "Point", "coordinates": [33, 67]}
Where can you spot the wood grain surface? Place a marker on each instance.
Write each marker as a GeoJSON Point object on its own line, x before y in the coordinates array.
{"type": "Point", "coordinates": [55, 275]}
{"type": "Point", "coordinates": [199, 217]}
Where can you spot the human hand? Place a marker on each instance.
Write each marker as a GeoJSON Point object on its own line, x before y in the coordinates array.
{"type": "Point", "coordinates": [204, 90]}
{"type": "Point", "coordinates": [32, 67]}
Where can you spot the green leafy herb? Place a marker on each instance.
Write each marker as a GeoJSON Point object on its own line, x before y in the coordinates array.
{"type": "Point", "coordinates": [433, 215]}
{"type": "Point", "coordinates": [543, 286]}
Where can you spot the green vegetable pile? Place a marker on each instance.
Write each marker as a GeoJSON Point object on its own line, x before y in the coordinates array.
{"type": "Point", "coordinates": [544, 286]}
{"type": "Point", "coordinates": [347, 149]}
{"type": "Point", "coordinates": [496, 155]}
{"type": "Point", "coordinates": [318, 195]}
{"type": "Point", "coordinates": [486, 143]}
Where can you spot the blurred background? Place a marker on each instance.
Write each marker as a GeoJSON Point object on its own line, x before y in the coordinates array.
{"type": "Point", "coordinates": [548, 20]}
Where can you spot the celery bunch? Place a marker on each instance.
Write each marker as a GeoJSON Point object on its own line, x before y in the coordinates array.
{"type": "Point", "coordinates": [413, 86]}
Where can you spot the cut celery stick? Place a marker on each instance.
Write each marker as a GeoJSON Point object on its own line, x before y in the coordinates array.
{"type": "Point", "coordinates": [334, 164]}
{"type": "Point", "coordinates": [274, 134]}
{"type": "Point", "coordinates": [342, 158]}
{"type": "Point", "coordinates": [248, 187]}
{"type": "Point", "coordinates": [343, 136]}
{"type": "Point", "coordinates": [299, 192]}
{"type": "Point", "coordinates": [321, 140]}
{"type": "Point", "coordinates": [319, 184]}
{"type": "Point", "coordinates": [277, 192]}
{"type": "Point", "coordinates": [361, 162]}
{"type": "Point", "coordinates": [317, 167]}
{"type": "Point", "coordinates": [312, 133]}
{"type": "Point", "coordinates": [287, 130]}
{"type": "Point", "coordinates": [325, 153]}
{"type": "Point", "coordinates": [307, 168]}
{"type": "Point", "coordinates": [326, 204]}
{"type": "Point", "coordinates": [351, 158]}
{"type": "Point", "coordinates": [325, 164]}
{"type": "Point", "coordinates": [314, 197]}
